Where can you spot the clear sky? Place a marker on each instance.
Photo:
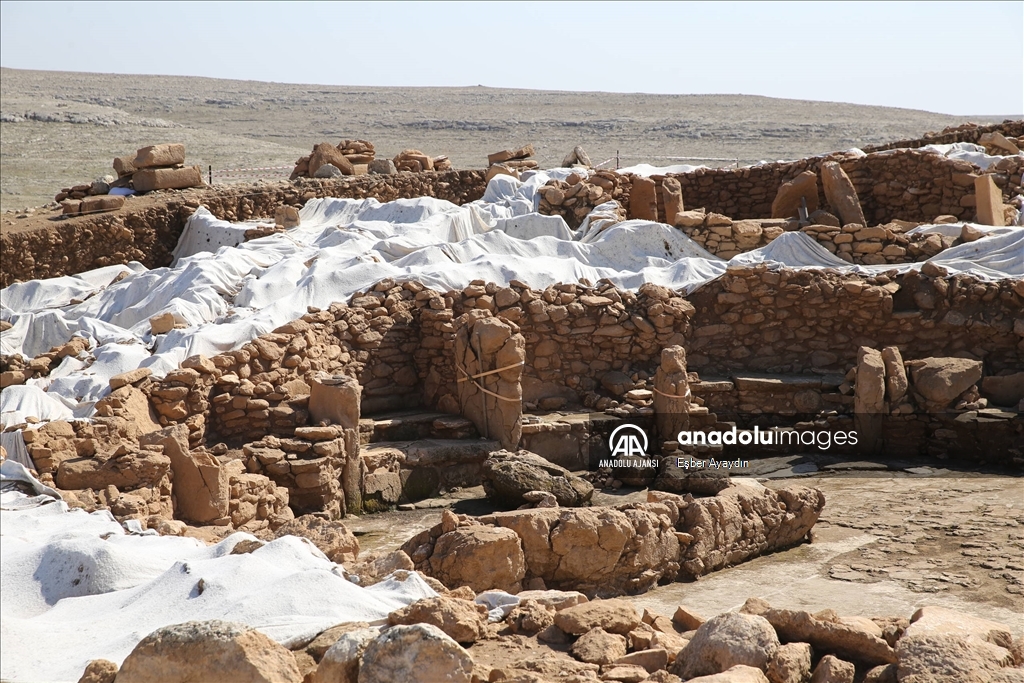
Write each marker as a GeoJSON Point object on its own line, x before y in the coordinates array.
{"type": "Point", "coordinates": [958, 58]}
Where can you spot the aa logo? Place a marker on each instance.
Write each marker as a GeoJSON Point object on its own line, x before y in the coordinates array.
{"type": "Point", "coordinates": [628, 440]}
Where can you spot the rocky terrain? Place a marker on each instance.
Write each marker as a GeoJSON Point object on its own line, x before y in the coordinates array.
{"type": "Point", "coordinates": [60, 128]}
{"type": "Point", "coordinates": [406, 467]}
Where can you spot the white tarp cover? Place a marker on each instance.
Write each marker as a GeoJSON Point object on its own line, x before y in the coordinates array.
{"type": "Point", "coordinates": [77, 587]}
{"type": "Point", "coordinates": [227, 296]}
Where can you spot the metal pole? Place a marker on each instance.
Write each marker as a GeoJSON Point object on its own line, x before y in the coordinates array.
{"type": "Point", "coordinates": [616, 160]}
{"type": "Point", "coordinates": [211, 174]}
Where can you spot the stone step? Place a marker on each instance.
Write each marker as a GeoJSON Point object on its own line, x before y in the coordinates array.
{"type": "Point", "coordinates": [411, 425]}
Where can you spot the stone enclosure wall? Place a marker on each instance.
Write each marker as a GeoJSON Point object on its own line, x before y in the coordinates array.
{"type": "Point", "coordinates": [148, 228]}
{"type": "Point", "coordinates": [898, 185]}
{"type": "Point", "coordinates": [892, 185]}
{"type": "Point", "coordinates": [584, 343]}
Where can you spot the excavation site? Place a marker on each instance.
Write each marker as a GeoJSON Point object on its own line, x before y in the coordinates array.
{"type": "Point", "coordinates": [391, 420]}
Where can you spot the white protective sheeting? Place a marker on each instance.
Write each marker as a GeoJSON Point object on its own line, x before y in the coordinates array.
{"type": "Point", "coordinates": [226, 297]}
{"type": "Point", "coordinates": [76, 587]}
{"type": "Point", "coordinates": [646, 170]}
{"type": "Point", "coordinates": [25, 400]}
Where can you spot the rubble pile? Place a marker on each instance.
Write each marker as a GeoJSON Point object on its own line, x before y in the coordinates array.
{"type": "Point", "coordinates": [575, 197]}
{"type": "Point", "coordinates": [415, 161]}
{"type": "Point", "coordinates": [157, 167]}
{"type": "Point", "coordinates": [511, 162]}
{"type": "Point", "coordinates": [348, 157]}
{"type": "Point", "coordinates": [545, 636]}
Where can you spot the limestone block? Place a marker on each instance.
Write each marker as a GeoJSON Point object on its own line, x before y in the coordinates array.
{"type": "Point", "coordinates": [168, 154]}
{"type": "Point", "coordinates": [148, 179]}
{"type": "Point", "coordinates": [989, 201]}
{"type": "Point", "coordinates": [643, 202]}
{"type": "Point", "coordinates": [841, 194]}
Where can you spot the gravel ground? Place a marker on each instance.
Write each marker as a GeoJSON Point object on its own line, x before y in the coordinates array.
{"type": "Point", "coordinates": [60, 129]}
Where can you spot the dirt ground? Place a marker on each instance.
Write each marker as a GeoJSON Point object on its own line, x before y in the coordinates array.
{"type": "Point", "coordinates": [61, 129]}
{"type": "Point", "coordinates": [887, 543]}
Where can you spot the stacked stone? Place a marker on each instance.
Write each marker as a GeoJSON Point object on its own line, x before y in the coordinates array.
{"type": "Point", "coordinates": [415, 161]}
{"type": "Point", "coordinates": [757, 319]}
{"type": "Point", "coordinates": [256, 503]}
{"type": "Point", "coordinates": [967, 132]}
{"type": "Point", "coordinates": [183, 396]}
{"type": "Point", "coordinates": [149, 234]}
{"type": "Point", "coordinates": [308, 465]}
{"type": "Point", "coordinates": [577, 195]}
{"type": "Point", "coordinates": [348, 157]}
{"type": "Point", "coordinates": [101, 464]}
{"type": "Point", "coordinates": [575, 333]}
{"type": "Point", "coordinates": [905, 184]}
{"type": "Point", "coordinates": [515, 160]}
{"type": "Point", "coordinates": [18, 370]}
{"type": "Point", "coordinates": [725, 237]}
{"type": "Point", "coordinates": [159, 167]}
{"type": "Point", "coordinates": [50, 445]}
{"type": "Point", "coordinates": [264, 385]}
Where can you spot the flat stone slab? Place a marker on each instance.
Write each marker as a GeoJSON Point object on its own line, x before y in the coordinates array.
{"type": "Point", "coordinates": [776, 383]}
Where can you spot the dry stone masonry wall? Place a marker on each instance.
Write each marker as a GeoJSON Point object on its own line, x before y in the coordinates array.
{"type": "Point", "coordinates": [147, 231]}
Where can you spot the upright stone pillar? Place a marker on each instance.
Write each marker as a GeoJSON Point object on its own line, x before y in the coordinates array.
{"type": "Point", "coordinates": [490, 359]}
{"type": "Point", "coordinates": [869, 404]}
{"type": "Point", "coordinates": [671, 394]}
{"type": "Point", "coordinates": [643, 199]}
{"type": "Point", "coordinates": [334, 399]}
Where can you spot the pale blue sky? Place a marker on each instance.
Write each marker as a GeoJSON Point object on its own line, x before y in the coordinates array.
{"type": "Point", "coordinates": [957, 58]}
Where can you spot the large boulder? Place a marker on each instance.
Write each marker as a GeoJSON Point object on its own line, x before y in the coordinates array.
{"type": "Point", "coordinates": [508, 476]}
{"type": "Point", "coordinates": [727, 640]}
{"type": "Point", "coordinates": [934, 620]}
{"type": "Point", "coordinates": [461, 620]}
{"type": "Point", "coordinates": [791, 664]}
{"type": "Point", "coordinates": [828, 634]}
{"type": "Point", "coordinates": [167, 154]}
{"type": "Point", "coordinates": [1004, 390]}
{"type": "Point", "coordinates": [332, 537]}
{"type": "Point", "coordinates": [953, 658]}
{"type": "Point", "coordinates": [148, 179]}
{"type": "Point", "coordinates": [597, 646]}
{"type": "Point", "coordinates": [208, 652]}
{"type": "Point", "coordinates": [941, 380]}
{"type": "Point", "coordinates": [480, 557]}
{"type": "Point", "coordinates": [831, 669]}
{"type": "Point", "coordinates": [613, 616]}
{"type": "Point", "coordinates": [124, 468]}
{"type": "Point", "coordinates": [421, 653]}
{"type": "Point", "coordinates": [340, 663]}
{"type": "Point", "coordinates": [99, 671]}
{"type": "Point", "coordinates": [737, 674]}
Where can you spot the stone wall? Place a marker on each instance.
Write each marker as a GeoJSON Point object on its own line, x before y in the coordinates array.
{"type": "Point", "coordinates": [585, 344]}
{"type": "Point", "coordinates": [757, 319]}
{"type": "Point", "coordinates": [903, 184]}
{"type": "Point", "coordinates": [147, 231]}
{"type": "Point", "coordinates": [263, 387]}
{"type": "Point", "coordinates": [624, 549]}
{"type": "Point", "coordinates": [968, 132]}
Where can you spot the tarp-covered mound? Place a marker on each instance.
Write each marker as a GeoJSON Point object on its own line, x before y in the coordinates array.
{"type": "Point", "coordinates": [224, 296]}
{"type": "Point", "coordinates": [76, 587]}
